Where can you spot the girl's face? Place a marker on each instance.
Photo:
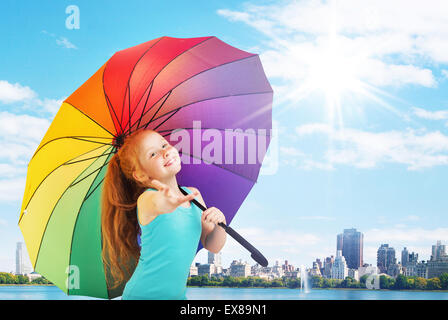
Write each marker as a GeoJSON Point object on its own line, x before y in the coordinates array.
{"type": "Point", "coordinates": [158, 159]}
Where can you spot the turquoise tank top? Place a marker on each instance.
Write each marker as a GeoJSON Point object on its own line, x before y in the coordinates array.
{"type": "Point", "coordinates": [168, 247]}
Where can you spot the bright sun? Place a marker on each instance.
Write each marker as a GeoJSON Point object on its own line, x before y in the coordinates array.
{"type": "Point", "coordinates": [334, 67]}
{"type": "Point", "coordinates": [333, 72]}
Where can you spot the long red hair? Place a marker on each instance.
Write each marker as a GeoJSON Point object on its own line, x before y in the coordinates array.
{"type": "Point", "coordinates": [119, 224]}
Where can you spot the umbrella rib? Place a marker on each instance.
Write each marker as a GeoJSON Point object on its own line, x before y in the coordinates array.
{"type": "Point", "coordinates": [144, 107]}
{"type": "Point", "coordinates": [72, 137]}
{"type": "Point", "coordinates": [77, 216]}
{"type": "Point", "coordinates": [110, 106]}
{"type": "Point", "coordinates": [159, 73]}
{"type": "Point", "coordinates": [49, 218]}
{"type": "Point", "coordinates": [220, 167]}
{"type": "Point", "coordinates": [213, 98]}
{"type": "Point", "coordinates": [169, 93]}
{"type": "Point", "coordinates": [71, 185]}
{"type": "Point", "coordinates": [129, 79]}
{"type": "Point", "coordinates": [176, 111]}
{"type": "Point", "coordinates": [230, 62]}
{"type": "Point", "coordinates": [129, 104]}
{"type": "Point", "coordinates": [94, 189]}
{"type": "Point", "coordinates": [90, 118]}
{"type": "Point", "coordinates": [90, 158]}
{"type": "Point", "coordinates": [40, 183]}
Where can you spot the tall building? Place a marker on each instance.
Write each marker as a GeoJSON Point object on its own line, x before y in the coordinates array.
{"type": "Point", "coordinates": [214, 258]}
{"type": "Point", "coordinates": [339, 241]}
{"type": "Point", "coordinates": [404, 257]}
{"type": "Point", "coordinates": [206, 269]}
{"type": "Point", "coordinates": [385, 257]}
{"type": "Point", "coordinates": [240, 269]}
{"type": "Point", "coordinates": [351, 244]}
{"type": "Point", "coordinates": [438, 251]}
{"type": "Point", "coordinates": [417, 269]}
{"type": "Point", "coordinates": [193, 270]}
{"type": "Point", "coordinates": [328, 264]}
{"type": "Point", "coordinates": [19, 259]}
{"type": "Point", "coordinates": [413, 258]}
{"type": "Point", "coordinates": [23, 264]}
{"type": "Point", "coordinates": [315, 271]}
{"type": "Point", "coordinates": [394, 269]}
{"type": "Point", "coordinates": [439, 261]}
{"type": "Point", "coordinates": [339, 269]}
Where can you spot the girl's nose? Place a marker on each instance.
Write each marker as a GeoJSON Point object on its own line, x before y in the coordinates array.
{"type": "Point", "coordinates": [167, 152]}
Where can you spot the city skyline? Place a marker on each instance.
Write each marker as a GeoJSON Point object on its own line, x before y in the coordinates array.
{"type": "Point", "coordinates": [359, 102]}
{"type": "Point", "coordinates": [387, 263]}
{"type": "Point", "coordinates": [203, 256]}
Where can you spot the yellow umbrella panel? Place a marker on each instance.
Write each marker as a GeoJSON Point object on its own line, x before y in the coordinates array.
{"type": "Point", "coordinates": [60, 217]}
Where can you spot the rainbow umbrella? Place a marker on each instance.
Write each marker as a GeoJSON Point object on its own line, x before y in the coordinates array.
{"type": "Point", "coordinates": [164, 84]}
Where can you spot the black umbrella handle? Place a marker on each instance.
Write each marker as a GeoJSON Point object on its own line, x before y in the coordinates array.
{"type": "Point", "coordinates": [255, 254]}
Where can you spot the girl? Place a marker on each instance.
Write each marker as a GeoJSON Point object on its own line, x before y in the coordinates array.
{"type": "Point", "coordinates": [141, 196]}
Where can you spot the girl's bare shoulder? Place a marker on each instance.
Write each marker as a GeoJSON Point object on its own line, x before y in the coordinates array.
{"type": "Point", "coordinates": [144, 206]}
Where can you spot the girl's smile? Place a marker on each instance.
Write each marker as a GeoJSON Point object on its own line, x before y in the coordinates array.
{"type": "Point", "coordinates": [170, 162]}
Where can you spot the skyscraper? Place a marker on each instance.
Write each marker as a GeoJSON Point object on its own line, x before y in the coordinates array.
{"type": "Point", "coordinates": [385, 257]}
{"type": "Point", "coordinates": [351, 244]}
{"type": "Point", "coordinates": [339, 269]}
{"type": "Point", "coordinates": [328, 264]}
{"type": "Point", "coordinates": [339, 241]}
{"type": "Point", "coordinates": [438, 251]}
{"type": "Point", "coordinates": [404, 257]}
{"type": "Point", "coordinates": [214, 258]}
{"type": "Point", "coordinates": [19, 259]}
{"type": "Point", "coordinates": [23, 264]}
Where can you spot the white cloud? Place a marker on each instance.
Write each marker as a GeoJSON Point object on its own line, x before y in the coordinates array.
{"type": "Point", "coordinates": [64, 42]}
{"type": "Point", "coordinates": [363, 149]}
{"type": "Point", "coordinates": [291, 156]}
{"type": "Point", "coordinates": [51, 106]}
{"type": "Point", "coordinates": [61, 41]}
{"type": "Point", "coordinates": [20, 136]}
{"type": "Point", "coordinates": [430, 115]}
{"type": "Point", "coordinates": [24, 99]}
{"type": "Point", "coordinates": [10, 93]}
{"type": "Point", "coordinates": [379, 42]}
{"type": "Point", "coordinates": [11, 190]}
{"type": "Point", "coordinates": [406, 235]}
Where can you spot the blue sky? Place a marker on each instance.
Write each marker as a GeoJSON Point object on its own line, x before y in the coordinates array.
{"type": "Point", "coordinates": [360, 103]}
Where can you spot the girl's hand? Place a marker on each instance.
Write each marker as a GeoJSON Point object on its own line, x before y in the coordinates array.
{"type": "Point", "coordinates": [165, 200]}
{"type": "Point", "coordinates": [211, 217]}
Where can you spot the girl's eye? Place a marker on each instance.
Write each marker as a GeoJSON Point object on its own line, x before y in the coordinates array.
{"type": "Point", "coordinates": [153, 154]}
{"type": "Point", "coordinates": [164, 145]}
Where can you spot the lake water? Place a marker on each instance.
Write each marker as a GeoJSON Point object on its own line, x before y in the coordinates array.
{"type": "Point", "coordinates": [54, 293]}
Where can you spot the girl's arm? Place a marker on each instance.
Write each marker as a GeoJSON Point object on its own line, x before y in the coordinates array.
{"type": "Point", "coordinates": [154, 203]}
{"type": "Point", "coordinates": [213, 237]}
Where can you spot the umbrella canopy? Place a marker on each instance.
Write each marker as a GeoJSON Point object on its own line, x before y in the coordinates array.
{"type": "Point", "coordinates": [164, 84]}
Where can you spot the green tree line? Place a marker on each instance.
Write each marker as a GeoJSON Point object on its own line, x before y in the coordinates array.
{"type": "Point", "coordinates": [9, 278]}
{"type": "Point", "coordinates": [400, 283]}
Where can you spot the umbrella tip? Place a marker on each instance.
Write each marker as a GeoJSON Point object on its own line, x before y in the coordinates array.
{"type": "Point", "coordinates": [118, 141]}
